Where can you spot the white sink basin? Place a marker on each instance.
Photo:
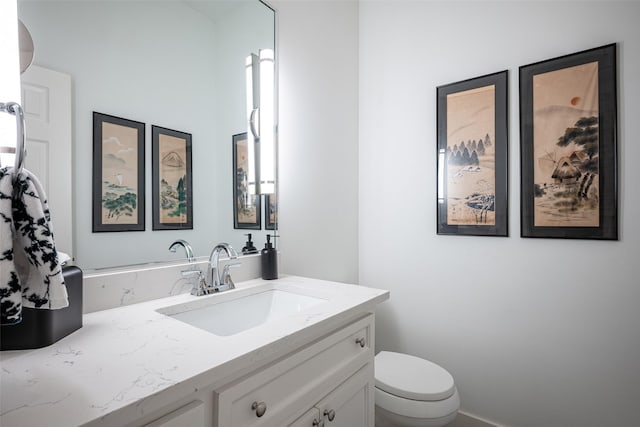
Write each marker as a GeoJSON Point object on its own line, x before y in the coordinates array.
{"type": "Point", "coordinates": [231, 317]}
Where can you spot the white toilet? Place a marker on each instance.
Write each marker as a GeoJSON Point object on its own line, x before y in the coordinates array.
{"type": "Point", "coordinates": [413, 392]}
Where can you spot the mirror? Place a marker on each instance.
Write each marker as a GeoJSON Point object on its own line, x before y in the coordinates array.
{"type": "Point", "coordinates": [174, 64]}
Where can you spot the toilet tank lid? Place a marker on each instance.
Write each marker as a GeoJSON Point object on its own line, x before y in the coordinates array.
{"type": "Point", "coordinates": [411, 377]}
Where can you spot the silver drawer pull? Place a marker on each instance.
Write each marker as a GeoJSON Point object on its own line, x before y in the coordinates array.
{"type": "Point", "coordinates": [330, 414]}
{"type": "Point", "coordinates": [260, 408]}
{"type": "Point", "coordinates": [361, 341]}
{"type": "Point", "coordinates": [317, 423]}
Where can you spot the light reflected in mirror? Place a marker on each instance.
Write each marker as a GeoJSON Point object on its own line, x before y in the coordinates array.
{"type": "Point", "coordinates": [25, 43]}
{"type": "Point", "coordinates": [174, 64]}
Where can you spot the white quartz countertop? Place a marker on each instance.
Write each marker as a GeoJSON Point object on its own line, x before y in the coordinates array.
{"type": "Point", "coordinates": [129, 361]}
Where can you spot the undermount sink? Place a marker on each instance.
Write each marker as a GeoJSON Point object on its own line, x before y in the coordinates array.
{"type": "Point", "coordinates": [233, 316]}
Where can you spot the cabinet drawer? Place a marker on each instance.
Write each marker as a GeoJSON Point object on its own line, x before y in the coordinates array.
{"type": "Point", "coordinates": [291, 385]}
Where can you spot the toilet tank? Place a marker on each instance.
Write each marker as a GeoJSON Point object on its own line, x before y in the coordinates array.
{"type": "Point", "coordinates": [39, 327]}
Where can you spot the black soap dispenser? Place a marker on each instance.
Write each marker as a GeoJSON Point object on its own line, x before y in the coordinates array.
{"type": "Point", "coordinates": [248, 247]}
{"type": "Point", "coordinates": [269, 257]}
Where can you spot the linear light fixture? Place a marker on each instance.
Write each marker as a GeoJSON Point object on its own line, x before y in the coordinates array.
{"type": "Point", "coordinates": [267, 131]}
{"type": "Point", "coordinates": [261, 177]}
{"type": "Point", "coordinates": [253, 120]}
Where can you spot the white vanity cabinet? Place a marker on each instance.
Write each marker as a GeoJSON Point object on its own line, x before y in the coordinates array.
{"type": "Point", "coordinates": [333, 374]}
{"type": "Point", "coordinates": [133, 366]}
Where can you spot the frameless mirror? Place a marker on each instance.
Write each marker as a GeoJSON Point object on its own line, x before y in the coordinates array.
{"type": "Point", "coordinates": [174, 64]}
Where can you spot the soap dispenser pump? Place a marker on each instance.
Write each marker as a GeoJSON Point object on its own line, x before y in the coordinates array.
{"type": "Point", "coordinates": [269, 257]}
{"type": "Point", "coordinates": [248, 247]}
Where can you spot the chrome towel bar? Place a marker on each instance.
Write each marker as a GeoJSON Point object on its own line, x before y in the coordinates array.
{"type": "Point", "coordinates": [21, 150]}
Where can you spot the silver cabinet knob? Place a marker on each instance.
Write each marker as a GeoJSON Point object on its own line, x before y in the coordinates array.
{"type": "Point", "coordinates": [330, 414]}
{"type": "Point", "coordinates": [361, 341]}
{"type": "Point", "coordinates": [317, 423]}
{"type": "Point", "coordinates": [260, 408]}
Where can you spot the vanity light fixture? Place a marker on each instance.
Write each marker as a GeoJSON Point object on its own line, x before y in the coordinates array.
{"type": "Point", "coordinates": [253, 121]}
{"type": "Point", "coordinates": [267, 131]}
{"type": "Point", "coordinates": [261, 177]}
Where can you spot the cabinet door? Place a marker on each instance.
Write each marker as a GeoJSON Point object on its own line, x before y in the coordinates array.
{"type": "Point", "coordinates": [351, 404]}
{"type": "Point", "coordinates": [311, 418]}
{"type": "Point", "coordinates": [190, 415]}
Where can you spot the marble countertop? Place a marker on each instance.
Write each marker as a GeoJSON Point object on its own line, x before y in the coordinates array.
{"type": "Point", "coordinates": [128, 361]}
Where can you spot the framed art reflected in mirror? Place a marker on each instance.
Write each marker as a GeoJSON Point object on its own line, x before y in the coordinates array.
{"type": "Point", "coordinates": [246, 207]}
{"type": "Point", "coordinates": [568, 122]}
{"type": "Point", "coordinates": [472, 156]}
{"type": "Point", "coordinates": [270, 212]}
{"type": "Point", "coordinates": [118, 174]}
{"type": "Point", "coordinates": [172, 179]}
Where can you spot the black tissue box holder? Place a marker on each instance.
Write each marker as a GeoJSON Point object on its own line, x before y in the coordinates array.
{"type": "Point", "coordinates": [40, 328]}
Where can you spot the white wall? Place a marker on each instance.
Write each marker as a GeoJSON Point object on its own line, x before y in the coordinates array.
{"type": "Point", "coordinates": [536, 332]}
{"type": "Point", "coordinates": [318, 169]}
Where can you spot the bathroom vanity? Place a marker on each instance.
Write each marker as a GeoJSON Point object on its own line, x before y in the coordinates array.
{"type": "Point", "coordinates": [146, 364]}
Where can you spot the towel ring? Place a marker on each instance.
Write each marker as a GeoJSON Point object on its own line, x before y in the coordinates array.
{"type": "Point", "coordinates": [21, 148]}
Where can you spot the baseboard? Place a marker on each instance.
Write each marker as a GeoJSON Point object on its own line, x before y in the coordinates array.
{"type": "Point", "coordinates": [467, 420]}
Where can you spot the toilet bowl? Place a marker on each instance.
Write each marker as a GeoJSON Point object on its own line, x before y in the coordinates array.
{"type": "Point", "coordinates": [413, 392]}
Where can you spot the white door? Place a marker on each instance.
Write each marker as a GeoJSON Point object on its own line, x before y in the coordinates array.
{"type": "Point", "coordinates": [46, 101]}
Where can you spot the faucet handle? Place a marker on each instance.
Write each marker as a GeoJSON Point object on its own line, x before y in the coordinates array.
{"type": "Point", "coordinates": [226, 276]}
{"type": "Point", "coordinates": [200, 287]}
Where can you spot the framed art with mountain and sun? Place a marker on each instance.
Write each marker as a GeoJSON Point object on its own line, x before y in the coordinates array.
{"type": "Point", "coordinates": [568, 122]}
{"type": "Point", "coordinates": [472, 156]}
{"type": "Point", "coordinates": [246, 206]}
{"type": "Point", "coordinates": [172, 179]}
{"type": "Point", "coordinates": [118, 174]}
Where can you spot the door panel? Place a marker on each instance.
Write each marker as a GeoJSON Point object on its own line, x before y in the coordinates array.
{"type": "Point", "coordinates": [46, 99]}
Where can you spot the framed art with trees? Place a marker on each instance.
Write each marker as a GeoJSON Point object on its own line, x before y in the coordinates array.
{"type": "Point", "coordinates": [568, 122]}
{"type": "Point", "coordinates": [472, 156]}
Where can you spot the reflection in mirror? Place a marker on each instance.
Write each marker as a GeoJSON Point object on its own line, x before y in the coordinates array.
{"type": "Point", "coordinates": [174, 64]}
{"type": "Point", "coordinates": [25, 43]}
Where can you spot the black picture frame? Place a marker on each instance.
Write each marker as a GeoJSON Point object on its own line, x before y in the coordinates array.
{"type": "Point", "coordinates": [246, 208]}
{"type": "Point", "coordinates": [270, 211]}
{"type": "Point", "coordinates": [569, 178]}
{"type": "Point", "coordinates": [472, 178]}
{"type": "Point", "coordinates": [172, 179]}
{"type": "Point", "coordinates": [118, 190]}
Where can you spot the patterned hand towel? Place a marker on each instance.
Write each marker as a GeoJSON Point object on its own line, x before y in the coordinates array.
{"type": "Point", "coordinates": [30, 272]}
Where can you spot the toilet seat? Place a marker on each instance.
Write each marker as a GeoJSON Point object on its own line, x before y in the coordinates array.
{"type": "Point", "coordinates": [416, 408]}
{"type": "Point", "coordinates": [411, 377]}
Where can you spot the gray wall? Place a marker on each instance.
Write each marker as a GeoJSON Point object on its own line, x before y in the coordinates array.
{"type": "Point", "coordinates": [528, 346]}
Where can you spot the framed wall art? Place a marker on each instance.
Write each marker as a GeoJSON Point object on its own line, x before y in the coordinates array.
{"type": "Point", "coordinates": [270, 212]}
{"type": "Point", "coordinates": [118, 174]}
{"type": "Point", "coordinates": [172, 179]}
{"type": "Point", "coordinates": [568, 122]}
{"type": "Point", "coordinates": [246, 207]}
{"type": "Point", "coordinates": [472, 156]}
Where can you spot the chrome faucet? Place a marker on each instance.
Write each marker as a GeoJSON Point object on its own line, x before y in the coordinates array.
{"type": "Point", "coordinates": [193, 273]}
{"type": "Point", "coordinates": [187, 249]}
{"type": "Point", "coordinates": [214, 280]}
